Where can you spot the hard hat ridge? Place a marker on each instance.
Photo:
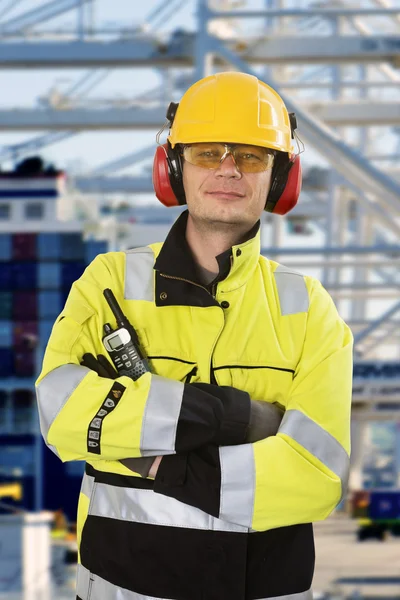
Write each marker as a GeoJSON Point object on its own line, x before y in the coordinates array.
{"type": "Point", "coordinates": [232, 107]}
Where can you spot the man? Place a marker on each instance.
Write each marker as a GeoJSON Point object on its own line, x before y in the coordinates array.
{"type": "Point", "coordinates": [225, 506]}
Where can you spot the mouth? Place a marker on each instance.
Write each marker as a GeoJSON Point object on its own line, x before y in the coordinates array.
{"type": "Point", "coordinates": [226, 195]}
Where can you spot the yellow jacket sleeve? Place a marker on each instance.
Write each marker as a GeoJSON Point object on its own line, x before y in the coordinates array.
{"type": "Point", "coordinates": [299, 475]}
{"type": "Point", "coordinates": [87, 417]}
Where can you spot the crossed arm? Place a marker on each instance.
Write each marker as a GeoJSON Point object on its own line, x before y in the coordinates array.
{"type": "Point", "coordinates": [264, 419]}
{"type": "Point", "coordinates": [200, 429]}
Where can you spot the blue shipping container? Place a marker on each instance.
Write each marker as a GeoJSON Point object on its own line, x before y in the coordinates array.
{"type": "Point", "coordinates": [93, 248]}
{"type": "Point", "coordinates": [49, 246]}
{"type": "Point", "coordinates": [24, 363]}
{"type": "Point", "coordinates": [25, 306]}
{"type": "Point", "coordinates": [6, 335]}
{"type": "Point", "coordinates": [384, 505]}
{"type": "Point", "coordinates": [24, 276]}
{"type": "Point", "coordinates": [5, 247]}
{"type": "Point", "coordinates": [49, 305]}
{"type": "Point", "coordinates": [70, 272]}
{"type": "Point", "coordinates": [6, 275]}
{"type": "Point", "coordinates": [24, 246]}
{"type": "Point", "coordinates": [64, 296]}
{"type": "Point", "coordinates": [45, 327]}
{"type": "Point", "coordinates": [6, 302]}
{"type": "Point", "coordinates": [72, 246]}
{"type": "Point", "coordinates": [6, 362]}
{"type": "Point", "coordinates": [49, 275]}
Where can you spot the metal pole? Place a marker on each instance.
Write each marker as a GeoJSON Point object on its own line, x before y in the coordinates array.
{"type": "Point", "coordinates": [203, 62]}
{"type": "Point", "coordinates": [81, 20]}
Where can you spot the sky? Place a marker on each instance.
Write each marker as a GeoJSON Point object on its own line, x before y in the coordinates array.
{"type": "Point", "coordinates": [84, 151]}
{"type": "Point", "coordinates": [24, 88]}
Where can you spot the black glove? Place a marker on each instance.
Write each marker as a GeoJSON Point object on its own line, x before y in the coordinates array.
{"type": "Point", "coordinates": [103, 368]}
{"type": "Point", "coordinates": [265, 419]}
{"type": "Point", "coordinates": [100, 364]}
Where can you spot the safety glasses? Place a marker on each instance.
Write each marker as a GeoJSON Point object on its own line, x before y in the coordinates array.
{"type": "Point", "coordinates": [248, 159]}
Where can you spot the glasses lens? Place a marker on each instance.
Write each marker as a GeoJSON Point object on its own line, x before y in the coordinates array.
{"type": "Point", "coordinates": [207, 156]}
{"type": "Point", "coordinates": [249, 159]}
{"type": "Point", "coordinates": [252, 159]}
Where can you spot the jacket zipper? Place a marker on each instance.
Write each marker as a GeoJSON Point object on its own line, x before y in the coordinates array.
{"type": "Point", "coordinates": [213, 291]}
{"type": "Point", "coordinates": [186, 280]}
{"type": "Point", "coordinates": [212, 376]}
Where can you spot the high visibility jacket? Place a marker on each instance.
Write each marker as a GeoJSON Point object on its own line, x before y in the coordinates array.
{"type": "Point", "coordinates": [223, 519]}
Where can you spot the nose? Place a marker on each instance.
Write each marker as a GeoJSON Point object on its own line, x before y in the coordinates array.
{"type": "Point", "coordinates": [228, 168]}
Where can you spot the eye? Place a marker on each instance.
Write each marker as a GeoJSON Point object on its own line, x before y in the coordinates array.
{"type": "Point", "coordinates": [249, 156]}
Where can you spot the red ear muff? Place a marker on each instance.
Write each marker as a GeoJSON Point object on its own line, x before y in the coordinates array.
{"type": "Point", "coordinates": [285, 188]}
{"type": "Point", "coordinates": [167, 176]}
{"type": "Point", "coordinates": [161, 182]}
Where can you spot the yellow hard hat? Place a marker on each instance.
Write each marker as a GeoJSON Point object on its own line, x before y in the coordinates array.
{"type": "Point", "coordinates": [232, 107]}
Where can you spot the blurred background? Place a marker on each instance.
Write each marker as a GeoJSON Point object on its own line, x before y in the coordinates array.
{"type": "Point", "coordinates": [84, 86]}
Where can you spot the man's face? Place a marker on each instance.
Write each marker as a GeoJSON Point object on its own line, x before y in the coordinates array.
{"type": "Point", "coordinates": [225, 196]}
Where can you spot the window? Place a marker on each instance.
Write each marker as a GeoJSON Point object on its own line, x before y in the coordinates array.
{"type": "Point", "coordinates": [34, 210]}
{"type": "Point", "coordinates": [5, 211]}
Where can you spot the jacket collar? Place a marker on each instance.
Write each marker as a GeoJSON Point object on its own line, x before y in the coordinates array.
{"type": "Point", "coordinates": [236, 265]}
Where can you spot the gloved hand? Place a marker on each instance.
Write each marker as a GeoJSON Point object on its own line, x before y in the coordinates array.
{"type": "Point", "coordinates": [104, 368]}
{"type": "Point", "coordinates": [140, 465]}
{"type": "Point", "coordinates": [100, 364]}
{"type": "Point", "coordinates": [265, 419]}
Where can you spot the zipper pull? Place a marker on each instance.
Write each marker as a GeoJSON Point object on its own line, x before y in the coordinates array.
{"type": "Point", "coordinates": [191, 374]}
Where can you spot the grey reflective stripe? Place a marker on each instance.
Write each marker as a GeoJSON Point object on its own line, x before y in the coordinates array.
{"type": "Point", "coordinates": [308, 595]}
{"type": "Point", "coordinates": [318, 442]}
{"type": "Point", "coordinates": [145, 506]}
{"type": "Point", "coordinates": [161, 416]}
{"type": "Point", "coordinates": [87, 485]}
{"type": "Point", "coordinates": [93, 587]}
{"type": "Point", "coordinates": [292, 291]}
{"type": "Point", "coordinates": [54, 390]}
{"type": "Point", "coordinates": [102, 589]}
{"type": "Point", "coordinates": [82, 582]}
{"type": "Point", "coordinates": [139, 274]}
{"type": "Point", "coordinates": [238, 480]}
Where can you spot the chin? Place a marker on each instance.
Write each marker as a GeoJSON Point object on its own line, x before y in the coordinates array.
{"type": "Point", "coordinates": [229, 215]}
{"type": "Point", "coordinates": [219, 223]}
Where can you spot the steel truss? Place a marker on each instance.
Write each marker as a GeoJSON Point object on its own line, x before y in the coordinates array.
{"type": "Point", "coordinates": [303, 51]}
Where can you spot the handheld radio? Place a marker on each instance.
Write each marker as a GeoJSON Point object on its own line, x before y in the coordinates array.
{"type": "Point", "coordinates": [122, 343]}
